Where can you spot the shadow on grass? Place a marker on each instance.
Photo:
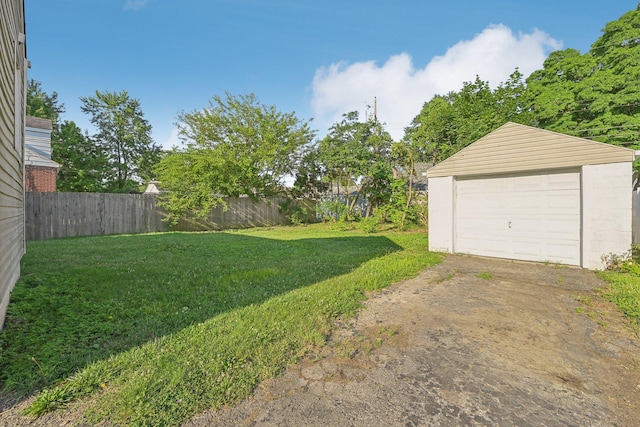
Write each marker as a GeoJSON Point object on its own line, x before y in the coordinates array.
{"type": "Point", "coordinates": [86, 299]}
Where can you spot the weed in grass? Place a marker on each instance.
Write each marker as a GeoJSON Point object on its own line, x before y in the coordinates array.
{"type": "Point", "coordinates": [444, 278]}
{"type": "Point", "coordinates": [485, 275]}
{"type": "Point", "coordinates": [346, 349]}
{"type": "Point", "coordinates": [389, 330]}
{"type": "Point", "coordinates": [44, 376]}
{"type": "Point", "coordinates": [50, 399]}
{"type": "Point", "coordinates": [366, 347]}
{"type": "Point", "coordinates": [586, 300]}
{"type": "Point", "coordinates": [166, 325]}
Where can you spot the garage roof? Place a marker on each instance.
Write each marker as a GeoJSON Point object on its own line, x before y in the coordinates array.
{"type": "Point", "coordinates": [518, 148]}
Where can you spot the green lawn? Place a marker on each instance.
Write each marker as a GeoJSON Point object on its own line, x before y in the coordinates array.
{"type": "Point", "coordinates": [623, 291]}
{"type": "Point", "coordinates": [159, 327]}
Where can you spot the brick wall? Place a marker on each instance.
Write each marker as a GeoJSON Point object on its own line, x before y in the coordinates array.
{"type": "Point", "coordinates": [40, 179]}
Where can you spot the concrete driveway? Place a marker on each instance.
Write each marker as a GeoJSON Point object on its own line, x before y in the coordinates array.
{"type": "Point", "coordinates": [472, 341]}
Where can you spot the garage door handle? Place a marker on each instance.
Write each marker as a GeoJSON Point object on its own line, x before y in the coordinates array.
{"type": "Point", "coordinates": [509, 224]}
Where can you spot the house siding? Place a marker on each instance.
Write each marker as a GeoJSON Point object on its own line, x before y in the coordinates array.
{"type": "Point", "coordinates": [519, 148]}
{"type": "Point", "coordinates": [12, 113]}
{"type": "Point", "coordinates": [37, 140]}
{"type": "Point", "coordinates": [39, 170]}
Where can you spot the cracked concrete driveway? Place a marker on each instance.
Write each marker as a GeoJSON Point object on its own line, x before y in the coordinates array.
{"type": "Point", "coordinates": [472, 341]}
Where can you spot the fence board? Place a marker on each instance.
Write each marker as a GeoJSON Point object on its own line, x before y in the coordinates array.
{"type": "Point", "coordinates": [54, 215]}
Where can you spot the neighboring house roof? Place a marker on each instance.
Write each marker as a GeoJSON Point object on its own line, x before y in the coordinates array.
{"type": "Point", "coordinates": [39, 123]}
{"type": "Point", "coordinates": [38, 142]}
{"type": "Point", "coordinates": [153, 188]}
{"type": "Point", "coordinates": [35, 157]}
{"type": "Point", "coordinates": [518, 148]}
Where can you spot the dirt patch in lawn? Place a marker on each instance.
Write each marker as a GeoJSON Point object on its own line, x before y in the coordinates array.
{"type": "Point", "coordinates": [472, 341]}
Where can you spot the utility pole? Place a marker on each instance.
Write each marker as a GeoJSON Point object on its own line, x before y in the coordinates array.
{"type": "Point", "coordinates": [375, 109]}
{"type": "Point", "coordinates": [373, 116]}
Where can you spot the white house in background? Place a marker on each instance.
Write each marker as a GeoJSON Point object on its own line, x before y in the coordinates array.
{"type": "Point", "coordinates": [13, 83]}
{"type": "Point", "coordinates": [530, 194]}
{"type": "Point", "coordinates": [40, 172]}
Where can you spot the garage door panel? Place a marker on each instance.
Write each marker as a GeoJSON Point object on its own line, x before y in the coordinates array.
{"type": "Point", "coordinates": [562, 200]}
{"type": "Point", "coordinates": [529, 217]}
{"type": "Point", "coordinates": [562, 253]}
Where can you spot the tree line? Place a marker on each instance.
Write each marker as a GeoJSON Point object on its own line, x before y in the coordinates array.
{"type": "Point", "coordinates": [239, 146]}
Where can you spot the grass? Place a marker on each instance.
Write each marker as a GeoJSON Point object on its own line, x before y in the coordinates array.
{"type": "Point", "coordinates": [623, 276]}
{"type": "Point", "coordinates": [155, 328]}
{"type": "Point", "coordinates": [485, 275]}
{"type": "Point", "coordinates": [623, 291]}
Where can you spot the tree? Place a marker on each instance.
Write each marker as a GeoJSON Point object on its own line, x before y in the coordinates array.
{"type": "Point", "coordinates": [433, 130]}
{"type": "Point", "coordinates": [82, 162]}
{"type": "Point", "coordinates": [595, 95]}
{"type": "Point", "coordinates": [611, 94]}
{"type": "Point", "coordinates": [406, 153]}
{"type": "Point", "coordinates": [43, 105]}
{"type": "Point", "coordinates": [551, 91]}
{"type": "Point", "coordinates": [124, 135]}
{"type": "Point", "coordinates": [236, 146]}
{"type": "Point", "coordinates": [309, 176]}
{"type": "Point", "coordinates": [448, 123]}
{"type": "Point", "coordinates": [356, 157]}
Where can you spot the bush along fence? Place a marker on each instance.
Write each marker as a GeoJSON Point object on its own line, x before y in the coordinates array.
{"type": "Point", "coordinates": [54, 215]}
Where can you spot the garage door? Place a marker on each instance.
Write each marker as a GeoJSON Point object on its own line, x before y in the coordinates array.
{"type": "Point", "coordinates": [525, 217]}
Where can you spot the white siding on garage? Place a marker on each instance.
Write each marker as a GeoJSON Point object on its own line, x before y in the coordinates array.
{"type": "Point", "coordinates": [532, 217]}
{"type": "Point", "coordinates": [441, 219]}
{"type": "Point", "coordinates": [607, 212]}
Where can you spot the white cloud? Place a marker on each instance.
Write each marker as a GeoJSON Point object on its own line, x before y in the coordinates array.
{"type": "Point", "coordinates": [173, 140]}
{"type": "Point", "coordinates": [135, 4]}
{"type": "Point", "coordinates": [401, 89]}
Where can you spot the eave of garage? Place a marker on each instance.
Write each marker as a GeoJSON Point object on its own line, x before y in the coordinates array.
{"type": "Point", "coordinates": [519, 148]}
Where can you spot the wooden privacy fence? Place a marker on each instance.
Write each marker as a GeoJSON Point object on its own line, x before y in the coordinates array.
{"type": "Point", "coordinates": [53, 215]}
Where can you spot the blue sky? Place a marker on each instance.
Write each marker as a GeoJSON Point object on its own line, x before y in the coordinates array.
{"type": "Point", "coordinates": [320, 59]}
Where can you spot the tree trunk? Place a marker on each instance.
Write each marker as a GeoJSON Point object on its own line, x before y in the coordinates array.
{"type": "Point", "coordinates": [410, 195]}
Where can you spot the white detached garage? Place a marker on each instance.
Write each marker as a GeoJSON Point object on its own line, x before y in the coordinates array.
{"type": "Point", "coordinates": [530, 194]}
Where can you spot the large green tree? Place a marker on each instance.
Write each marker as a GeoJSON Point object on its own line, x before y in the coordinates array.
{"type": "Point", "coordinates": [44, 105]}
{"type": "Point", "coordinates": [82, 161]}
{"type": "Point", "coordinates": [124, 136]}
{"type": "Point", "coordinates": [594, 95]}
{"type": "Point", "coordinates": [448, 123]}
{"type": "Point", "coordinates": [309, 175]}
{"type": "Point", "coordinates": [235, 146]}
{"type": "Point", "coordinates": [356, 158]}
